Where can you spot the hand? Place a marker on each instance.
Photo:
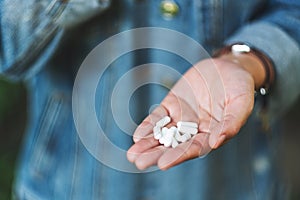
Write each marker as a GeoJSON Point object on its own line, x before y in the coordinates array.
{"type": "Point", "coordinates": [217, 93]}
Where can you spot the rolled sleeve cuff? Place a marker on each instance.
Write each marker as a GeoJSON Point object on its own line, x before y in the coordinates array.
{"type": "Point", "coordinates": [285, 54]}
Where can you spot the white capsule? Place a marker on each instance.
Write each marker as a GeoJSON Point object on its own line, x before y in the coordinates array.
{"type": "Point", "coordinates": [157, 132]}
{"type": "Point", "coordinates": [156, 129]}
{"type": "Point", "coordinates": [164, 131]}
{"type": "Point", "coordinates": [164, 121]}
{"type": "Point", "coordinates": [168, 143]}
{"type": "Point", "coordinates": [174, 128]}
{"type": "Point", "coordinates": [183, 139]}
{"type": "Point", "coordinates": [187, 136]}
{"type": "Point", "coordinates": [171, 132]}
{"type": "Point", "coordinates": [169, 137]}
{"type": "Point", "coordinates": [189, 124]}
{"type": "Point", "coordinates": [157, 136]}
{"type": "Point", "coordinates": [178, 136]}
{"type": "Point", "coordinates": [174, 143]}
{"type": "Point", "coordinates": [162, 140]}
{"type": "Point", "coordinates": [186, 129]}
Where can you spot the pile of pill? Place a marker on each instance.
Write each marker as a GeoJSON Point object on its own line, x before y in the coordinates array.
{"type": "Point", "coordinates": [174, 135]}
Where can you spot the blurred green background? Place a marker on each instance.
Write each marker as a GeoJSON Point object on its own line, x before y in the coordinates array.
{"type": "Point", "coordinates": [12, 124]}
{"type": "Point", "coordinates": [13, 120]}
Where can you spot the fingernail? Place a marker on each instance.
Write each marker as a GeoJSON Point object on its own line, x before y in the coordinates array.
{"type": "Point", "coordinates": [131, 156]}
{"type": "Point", "coordinates": [136, 139]}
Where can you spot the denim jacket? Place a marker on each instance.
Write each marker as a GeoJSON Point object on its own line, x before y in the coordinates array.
{"type": "Point", "coordinates": [43, 43]}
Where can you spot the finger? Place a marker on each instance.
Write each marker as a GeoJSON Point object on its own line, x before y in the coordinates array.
{"type": "Point", "coordinates": [197, 146]}
{"type": "Point", "coordinates": [146, 127]}
{"type": "Point", "coordinates": [232, 122]}
{"type": "Point", "coordinates": [141, 146]}
{"type": "Point", "coordinates": [149, 157]}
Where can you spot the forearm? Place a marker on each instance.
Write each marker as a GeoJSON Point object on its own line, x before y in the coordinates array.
{"type": "Point", "coordinates": [251, 63]}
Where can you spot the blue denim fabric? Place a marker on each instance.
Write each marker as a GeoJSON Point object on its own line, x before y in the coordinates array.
{"type": "Point", "coordinates": [45, 49]}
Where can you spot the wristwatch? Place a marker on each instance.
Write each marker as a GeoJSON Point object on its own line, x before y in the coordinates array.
{"type": "Point", "coordinates": [243, 48]}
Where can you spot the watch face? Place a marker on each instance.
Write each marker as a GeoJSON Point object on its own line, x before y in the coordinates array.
{"type": "Point", "coordinates": [240, 48]}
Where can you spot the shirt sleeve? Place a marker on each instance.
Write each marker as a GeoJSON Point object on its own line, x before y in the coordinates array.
{"type": "Point", "coordinates": [31, 31]}
{"type": "Point", "coordinates": [277, 34]}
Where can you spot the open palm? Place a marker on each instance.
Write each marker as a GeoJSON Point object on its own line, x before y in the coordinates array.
{"type": "Point", "coordinates": [215, 93]}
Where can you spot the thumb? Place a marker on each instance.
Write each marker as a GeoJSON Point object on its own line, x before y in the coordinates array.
{"type": "Point", "coordinates": [236, 115]}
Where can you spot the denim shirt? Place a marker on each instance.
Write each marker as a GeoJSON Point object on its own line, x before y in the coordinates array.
{"type": "Point", "coordinates": [44, 43]}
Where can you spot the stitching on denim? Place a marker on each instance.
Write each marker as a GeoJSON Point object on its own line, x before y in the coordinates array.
{"type": "Point", "coordinates": [50, 116]}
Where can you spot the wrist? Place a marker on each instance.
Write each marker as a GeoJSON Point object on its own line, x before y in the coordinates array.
{"type": "Point", "coordinates": [253, 61]}
{"type": "Point", "coordinates": [251, 64]}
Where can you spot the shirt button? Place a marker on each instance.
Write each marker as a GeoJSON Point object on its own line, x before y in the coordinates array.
{"type": "Point", "coordinates": [169, 8]}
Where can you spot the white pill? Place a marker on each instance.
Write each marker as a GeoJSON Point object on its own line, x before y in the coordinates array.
{"type": "Point", "coordinates": [187, 136]}
{"type": "Point", "coordinates": [183, 139]}
{"type": "Point", "coordinates": [171, 131]}
{"type": "Point", "coordinates": [178, 136]}
{"type": "Point", "coordinates": [156, 130]}
{"type": "Point", "coordinates": [168, 143]}
{"type": "Point", "coordinates": [190, 124]}
{"type": "Point", "coordinates": [186, 129]}
{"type": "Point", "coordinates": [174, 135]}
{"type": "Point", "coordinates": [164, 131]}
{"type": "Point", "coordinates": [174, 143]}
{"type": "Point", "coordinates": [169, 137]}
{"type": "Point", "coordinates": [164, 121]}
{"type": "Point", "coordinates": [162, 140]}
{"type": "Point", "coordinates": [174, 128]}
{"type": "Point", "coordinates": [157, 136]}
